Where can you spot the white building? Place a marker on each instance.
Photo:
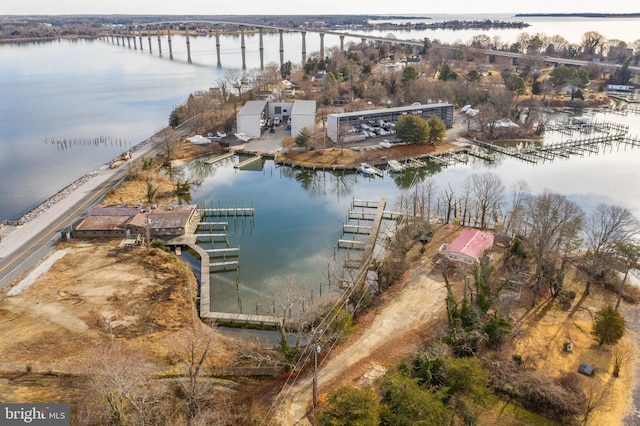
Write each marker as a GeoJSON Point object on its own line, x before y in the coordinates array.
{"type": "Point", "coordinates": [340, 125]}
{"type": "Point", "coordinates": [303, 115]}
{"type": "Point", "coordinates": [249, 117]}
{"type": "Point", "coordinates": [256, 115]}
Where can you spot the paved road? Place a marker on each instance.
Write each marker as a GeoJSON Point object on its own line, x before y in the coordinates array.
{"type": "Point", "coordinates": [22, 247]}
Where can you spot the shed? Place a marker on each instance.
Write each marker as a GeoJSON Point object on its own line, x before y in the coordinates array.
{"type": "Point", "coordinates": [469, 246]}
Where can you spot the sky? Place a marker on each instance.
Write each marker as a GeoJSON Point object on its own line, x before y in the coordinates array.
{"type": "Point", "coordinates": [308, 7]}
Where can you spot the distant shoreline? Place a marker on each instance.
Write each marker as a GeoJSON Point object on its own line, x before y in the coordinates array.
{"type": "Point", "coordinates": [577, 15]}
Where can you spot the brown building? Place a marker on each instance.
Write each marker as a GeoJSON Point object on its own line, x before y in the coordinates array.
{"type": "Point", "coordinates": [162, 222]}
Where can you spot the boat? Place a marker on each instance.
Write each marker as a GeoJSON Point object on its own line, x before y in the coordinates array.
{"type": "Point", "coordinates": [242, 137]}
{"type": "Point", "coordinates": [367, 169]}
{"type": "Point", "coordinates": [198, 140]}
{"type": "Point", "coordinates": [395, 166]}
{"type": "Point", "coordinates": [385, 144]}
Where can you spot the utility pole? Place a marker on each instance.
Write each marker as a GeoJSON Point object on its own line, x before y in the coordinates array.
{"type": "Point", "coordinates": [316, 351]}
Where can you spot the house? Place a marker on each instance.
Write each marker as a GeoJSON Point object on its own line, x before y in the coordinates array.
{"type": "Point", "coordinates": [162, 222]}
{"type": "Point", "coordinates": [468, 247]}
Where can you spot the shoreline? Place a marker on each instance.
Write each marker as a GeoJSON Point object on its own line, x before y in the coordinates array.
{"type": "Point", "coordinates": [67, 190]}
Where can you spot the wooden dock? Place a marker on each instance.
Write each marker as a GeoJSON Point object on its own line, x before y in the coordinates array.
{"type": "Point", "coordinates": [248, 161]}
{"type": "Point", "coordinates": [219, 158]}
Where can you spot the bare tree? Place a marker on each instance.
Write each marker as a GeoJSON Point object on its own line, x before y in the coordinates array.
{"type": "Point", "coordinates": [487, 191]}
{"type": "Point", "coordinates": [597, 394]}
{"type": "Point", "coordinates": [286, 295]}
{"type": "Point", "coordinates": [519, 192]}
{"type": "Point", "coordinates": [606, 226]}
{"type": "Point", "coordinates": [620, 354]}
{"type": "Point", "coordinates": [195, 343]}
{"type": "Point", "coordinates": [121, 378]}
{"type": "Point", "coordinates": [551, 219]}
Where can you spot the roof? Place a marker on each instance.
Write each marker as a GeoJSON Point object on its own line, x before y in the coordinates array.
{"type": "Point", "coordinates": [392, 110]}
{"type": "Point", "coordinates": [471, 243]}
{"type": "Point", "coordinates": [253, 107]}
{"type": "Point", "coordinates": [303, 107]}
{"type": "Point", "coordinates": [102, 223]}
{"type": "Point", "coordinates": [112, 211]}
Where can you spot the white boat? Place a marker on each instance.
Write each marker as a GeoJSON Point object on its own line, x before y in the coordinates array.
{"type": "Point", "coordinates": [198, 140]}
{"type": "Point", "coordinates": [395, 166]}
{"type": "Point", "coordinates": [367, 169]}
{"type": "Point", "coordinates": [242, 137]}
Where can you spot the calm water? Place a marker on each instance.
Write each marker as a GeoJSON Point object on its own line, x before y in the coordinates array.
{"type": "Point", "coordinates": [82, 90]}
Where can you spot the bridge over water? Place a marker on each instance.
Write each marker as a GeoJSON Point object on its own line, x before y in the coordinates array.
{"type": "Point", "coordinates": [129, 33]}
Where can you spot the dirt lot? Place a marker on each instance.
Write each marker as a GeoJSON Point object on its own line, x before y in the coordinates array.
{"type": "Point", "coordinates": [48, 328]}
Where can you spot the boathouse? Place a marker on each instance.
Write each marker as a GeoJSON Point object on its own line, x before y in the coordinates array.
{"type": "Point", "coordinates": [340, 125]}
{"type": "Point", "coordinates": [468, 246]}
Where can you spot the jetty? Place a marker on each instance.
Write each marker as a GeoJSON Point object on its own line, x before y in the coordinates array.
{"type": "Point", "coordinates": [248, 161]}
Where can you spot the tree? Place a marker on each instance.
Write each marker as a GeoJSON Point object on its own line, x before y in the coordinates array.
{"type": "Point", "coordinates": [629, 256]}
{"type": "Point", "coordinates": [122, 380]}
{"type": "Point", "coordinates": [473, 76]}
{"type": "Point", "coordinates": [411, 128]}
{"type": "Point", "coordinates": [608, 326]}
{"type": "Point", "coordinates": [437, 129]}
{"type": "Point", "coordinates": [445, 73]}
{"type": "Point", "coordinates": [605, 227]}
{"type": "Point", "coordinates": [304, 138]}
{"type": "Point", "coordinates": [487, 191]}
{"type": "Point", "coordinates": [351, 406]}
{"type": "Point", "coordinates": [575, 76]}
{"type": "Point", "coordinates": [592, 41]}
{"type": "Point", "coordinates": [551, 223]}
{"type": "Point", "coordinates": [516, 84]}
{"type": "Point", "coordinates": [409, 74]}
{"type": "Point", "coordinates": [620, 354]}
{"type": "Point", "coordinates": [405, 402]}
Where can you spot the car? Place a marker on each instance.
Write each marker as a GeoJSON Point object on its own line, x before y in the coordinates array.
{"type": "Point", "coordinates": [276, 121]}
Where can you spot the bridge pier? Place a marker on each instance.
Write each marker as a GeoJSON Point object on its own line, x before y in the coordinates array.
{"type": "Point", "coordinates": [186, 30]}
{"type": "Point", "coordinates": [321, 46]}
{"type": "Point", "coordinates": [140, 38]}
{"type": "Point", "coordinates": [304, 46]}
{"type": "Point", "coordinates": [262, 48]}
{"type": "Point", "coordinates": [128, 38]}
{"type": "Point", "coordinates": [218, 46]}
{"type": "Point", "coordinates": [135, 43]}
{"type": "Point", "coordinates": [341, 43]}
{"type": "Point", "coordinates": [149, 39]}
{"type": "Point", "coordinates": [169, 41]}
{"type": "Point", "coordinates": [243, 48]}
{"type": "Point", "coordinates": [159, 40]}
{"type": "Point", "coordinates": [281, 47]}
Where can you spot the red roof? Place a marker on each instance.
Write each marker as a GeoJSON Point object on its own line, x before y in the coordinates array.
{"type": "Point", "coordinates": [471, 242]}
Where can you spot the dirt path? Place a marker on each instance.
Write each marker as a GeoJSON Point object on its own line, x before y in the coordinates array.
{"type": "Point", "coordinates": [390, 335]}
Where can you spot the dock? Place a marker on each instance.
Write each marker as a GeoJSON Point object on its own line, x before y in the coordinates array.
{"type": "Point", "coordinates": [248, 161]}
{"type": "Point", "coordinates": [219, 158]}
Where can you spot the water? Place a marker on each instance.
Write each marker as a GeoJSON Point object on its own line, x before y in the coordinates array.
{"type": "Point", "coordinates": [81, 90]}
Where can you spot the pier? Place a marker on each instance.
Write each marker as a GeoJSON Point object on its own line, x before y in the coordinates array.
{"type": "Point", "coordinates": [248, 161]}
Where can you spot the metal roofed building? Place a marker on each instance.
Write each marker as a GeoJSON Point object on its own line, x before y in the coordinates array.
{"type": "Point", "coordinates": [469, 246]}
{"type": "Point", "coordinates": [339, 125]}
